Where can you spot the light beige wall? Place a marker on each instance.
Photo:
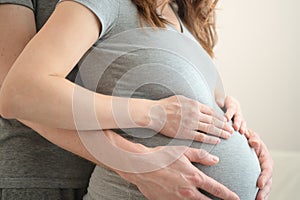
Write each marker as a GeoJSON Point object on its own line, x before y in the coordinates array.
{"type": "Point", "coordinates": [258, 56]}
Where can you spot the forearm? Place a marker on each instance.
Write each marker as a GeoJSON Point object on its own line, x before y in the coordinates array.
{"type": "Point", "coordinates": [70, 141]}
{"type": "Point", "coordinates": [56, 102]}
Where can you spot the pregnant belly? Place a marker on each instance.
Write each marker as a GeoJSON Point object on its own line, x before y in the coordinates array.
{"type": "Point", "coordinates": [163, 74]}
{"type": "Point", "coordinates": [238, 168]}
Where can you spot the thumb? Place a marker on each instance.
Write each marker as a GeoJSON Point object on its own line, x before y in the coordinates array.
{"type": "Point", "coordinates": [220, 102]}
{"type": "Point", "coordinates": [220, 94]}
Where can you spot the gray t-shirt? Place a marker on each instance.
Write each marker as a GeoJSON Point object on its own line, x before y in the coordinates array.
{"type": "Point", "coordinates": [126, 62]}
{"type": "Point", "coordinates": [27, 160]}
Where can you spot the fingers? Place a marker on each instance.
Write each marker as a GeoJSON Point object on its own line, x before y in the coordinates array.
{"type": "Point", "coordinates": [264, 181]}
{"type": "Point", "coordinates": [232, 106]}
{"type": "Point", "coordinates": [201, 156]}
{"type": "Point", "coordinates": [198, 136]}
{"type": "Point", "coordinates": [219, 130]}
{"type": "Point", "coordinates": [202, 137]}
{"type": "Point", "coordinates": [254, 141]}
{"type": "Point", "coordinates": [213, 187]}
{"type": "Point", "coordinates": [216, 121]}
{"type": "Point", "coordinates": [206, 109]}
{"type": "Point", "coordinates": [243, 128]}
{"type": "Point", "coordinates": [266, 164]}
{"type": "Point", "coordinates": [266, 174]}
{"type": "Point", "coordinates": [263, 194]}
{"type": "Point", "coordinates": [237, 121]}
{"type": "Point", "coordinates": [192, 194]}
{"type": "Point", "coordinates": [230, 113]}
{"type": "Point", "coordinates": [211, 112]}
{"type": "Point", "coordinates": [215, 126]}
{"type": "Point", "coordinates": [213, 123]}
{"type": "Point", "coordinates": [234, 113]}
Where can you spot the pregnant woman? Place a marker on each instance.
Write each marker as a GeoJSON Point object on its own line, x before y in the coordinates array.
{"type": "Point", "coordinates": [116, 17]}
{"type": "Point", "coordinates": [150, 68]}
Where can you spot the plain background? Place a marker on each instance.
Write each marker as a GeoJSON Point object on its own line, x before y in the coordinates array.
{"type": "Point", "coordinates": [258, 57]}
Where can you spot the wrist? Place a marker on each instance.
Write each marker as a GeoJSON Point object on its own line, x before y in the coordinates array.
{"type": "Point", "coordinates": [126, 146]}
{"type": "Point", "coordinates": [140, 111]}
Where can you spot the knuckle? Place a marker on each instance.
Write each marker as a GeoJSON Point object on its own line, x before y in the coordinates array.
{"type": "Point", "coordinates": [271, 182]}
{"type": "Point", "coordinates": [202, 154]}
{"type": "Point", "coordinates": [201, 137]}
{"type": "Point", "coordinates": [217, 191]}
{"type": "Point", "coordinates": [211, 110]}
{"type": "Point", "coordinates": [197, 179]}
{"type": "Point", "coordinates": [207, 128]}
{"type": "Point", "coordinates": [210, 119]}
{"type": "Point", "coordinates": [179, 97]}
{"type": "Point", "coordinates": [187, 192]}
{"type": "Point", "coordinates": [194, 104]}
{"type": "Point", "coordinates": [194, 115]}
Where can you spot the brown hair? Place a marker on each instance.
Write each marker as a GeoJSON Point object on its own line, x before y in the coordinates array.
{"type": "Point", "coordinates": [197, 15]}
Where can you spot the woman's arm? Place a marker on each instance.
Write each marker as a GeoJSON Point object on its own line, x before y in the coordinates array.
{"type": "Point", "coordinates": [35, 89]}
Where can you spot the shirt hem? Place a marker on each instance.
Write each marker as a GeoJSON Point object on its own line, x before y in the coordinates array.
{"type": "Point", "coordinates": [42, 183]}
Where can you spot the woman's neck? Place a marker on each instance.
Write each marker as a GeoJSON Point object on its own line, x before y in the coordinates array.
{"type": "Point", "coordinates": [167, 13]}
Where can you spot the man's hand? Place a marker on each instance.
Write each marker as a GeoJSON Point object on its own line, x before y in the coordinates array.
{"type": "Point", "coordinates": [264, 181]}
{"type": "Point", "coordinates": [181, 179]}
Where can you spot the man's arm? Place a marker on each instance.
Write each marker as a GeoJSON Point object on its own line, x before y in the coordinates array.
{"type": "Point", "coordinates": [17, 28]}
{"type": "Point", "coordinates": [179, 180]}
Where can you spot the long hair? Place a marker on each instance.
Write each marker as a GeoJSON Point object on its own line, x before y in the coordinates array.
{"type": "Point", "coordinates": [197, 15]}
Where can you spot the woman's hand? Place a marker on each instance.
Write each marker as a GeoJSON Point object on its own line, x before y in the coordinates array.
{"type": "Point", "coordinates": [264, 181]}
{"type": "Point", "coordinates": [181, 117]}
{"type": "Point", "coordinates": [234, 112]}
{"type": "Point", "coordinates": [180, 180]}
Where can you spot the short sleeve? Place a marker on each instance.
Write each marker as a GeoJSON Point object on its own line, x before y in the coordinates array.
{"type": "Point", "coordinates": [27, 3]}
{"type": "Point", "coordinates": [107, 12]}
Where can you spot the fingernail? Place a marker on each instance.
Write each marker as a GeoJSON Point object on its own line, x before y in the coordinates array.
{"type": "Point", "coordinates": [216, 141]}
{"type": "Point", "coordinates": [232, 129]}
{"type": "Point", "coordinates": [215, 158]}
{"type": "Point", "coordinates": [227, 135]}
{"type": "Point", "coordinates": [237, 197]}
{"type": "Point", "coordinates": [262, 183]}
{"type": "Point", "coordinates": [261, 186]}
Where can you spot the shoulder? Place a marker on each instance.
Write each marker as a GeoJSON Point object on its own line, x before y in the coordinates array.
{"type": "Point", "coordinates": [26, 3]}
{"type": "Point", "coordinates": [107, 11]}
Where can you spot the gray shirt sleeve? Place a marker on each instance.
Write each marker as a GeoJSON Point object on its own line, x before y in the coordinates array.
{"type": "Point", "coordinates": [107, 12]}
{"type": "Point", "coordinates": [27, 3]}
